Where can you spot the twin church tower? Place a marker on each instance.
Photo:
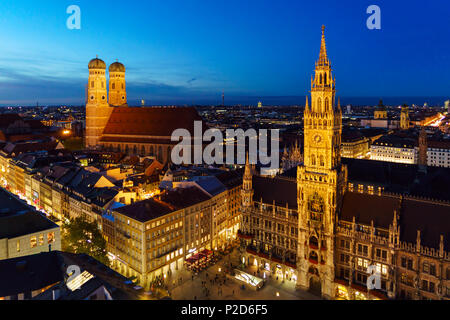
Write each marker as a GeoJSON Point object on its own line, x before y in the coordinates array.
{"type": "Point", "coordinates": [98, 102]}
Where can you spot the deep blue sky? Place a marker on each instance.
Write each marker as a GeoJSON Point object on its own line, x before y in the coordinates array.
{"type": "Point", "coordinates": [179, 52]}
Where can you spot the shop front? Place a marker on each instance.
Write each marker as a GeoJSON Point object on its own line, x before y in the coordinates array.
{"type": "Point", "coordinates": [278, 271]}
{"type": "Point", "coordinates": [342, 293]}
{"type": "Point", "coordinates": [359, 292]}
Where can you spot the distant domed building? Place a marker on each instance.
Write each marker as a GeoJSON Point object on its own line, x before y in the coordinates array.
{"type": "Point", "coordinates": [381, 111]}
{"type": "Point", "coordinates": [113, 125]}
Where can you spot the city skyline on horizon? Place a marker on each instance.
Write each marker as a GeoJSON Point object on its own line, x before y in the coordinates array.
{"type": "Point", "coordinates": [165, 76]}
{"type": "Point", "coordinates": [271, 101]}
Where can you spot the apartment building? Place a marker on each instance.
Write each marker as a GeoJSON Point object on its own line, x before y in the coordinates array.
{"type": "Point", "coordinates": [395, 149]}
{"type": "Point", "coordinates": [23, 230]}
{"type": "Point", "coordinates": [154, 236]}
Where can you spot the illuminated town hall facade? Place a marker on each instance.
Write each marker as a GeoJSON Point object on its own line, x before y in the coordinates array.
{"type": "Point", "coordinates": [325, 224]}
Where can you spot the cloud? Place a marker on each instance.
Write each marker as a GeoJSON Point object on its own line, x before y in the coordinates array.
{"type": "Point", "coordinates": [19, 88]}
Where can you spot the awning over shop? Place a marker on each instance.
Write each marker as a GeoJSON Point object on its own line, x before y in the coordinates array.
{"type": "Point", "coordinates": [379, 294]}
{"type": "Point", "coordinates": [358, 287]}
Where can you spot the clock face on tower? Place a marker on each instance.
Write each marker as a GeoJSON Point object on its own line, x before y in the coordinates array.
{"type": "Point", "coordinates": [317, 138]}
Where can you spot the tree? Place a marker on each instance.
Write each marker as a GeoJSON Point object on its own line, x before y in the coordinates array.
{"type": "Point", "coordinates": [82, 236]}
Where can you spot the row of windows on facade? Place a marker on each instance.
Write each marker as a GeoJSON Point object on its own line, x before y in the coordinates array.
{"type": "Point", "coordinates": [407, 263]}
{"type": "Point", "coordinates": [278, 209]}
{"type": "Point", "coordinates": [363, 264]}
{"type": "Point", "coordinates": [113, 86]}
{"type": "Point", "coordinates": [292, 244]}
{"type": "Point", "coordinates": [35, 241]}
{"type": "Point", "coordinates": [135, 253]}
{"type": "Point", "coordinates": [364, 249]}
{"type": "Point", "coordinates": [425, 285]}
{"type": "Point", "coordinates": [361, 278]}
{"type": "Point", "coordinates": [427, 267]}
{"type": "Point", "coordinates": [268, 225]}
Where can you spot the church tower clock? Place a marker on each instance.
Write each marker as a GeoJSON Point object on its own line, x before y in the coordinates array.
{"type": "Point", "coordinates": [321, 181]}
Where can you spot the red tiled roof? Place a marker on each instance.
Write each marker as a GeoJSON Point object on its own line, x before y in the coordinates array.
{"type": "Point", "coordinates": [137, 140]}
{"type": "Point", "coordinates": [18, 148]}
{"type": "Point", "coordinates": [151, 121]}
{"type": "Point", "coordinates": [365, 208]}
{"type": "Point", "coordinates": [431, 218]}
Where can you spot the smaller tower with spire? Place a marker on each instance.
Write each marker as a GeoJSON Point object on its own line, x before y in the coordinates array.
{"type": "Point", "coordinates": [247, 188]}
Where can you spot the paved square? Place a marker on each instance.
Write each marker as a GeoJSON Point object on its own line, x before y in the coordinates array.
{"type": "Point", "coordinates": [182, 286]}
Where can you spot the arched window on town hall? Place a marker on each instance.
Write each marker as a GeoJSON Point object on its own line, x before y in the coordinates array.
{"type": "Point", "coordinates": [313, 160]}
{"type": "Point", "coordinates": [322, 163]}
{"type": "Point", "coordinates": [313, 256]}
{"type": "Point", "coordinates": [314, 242]}
{"type": "Point", "coordinates": [113, 86]}
{"type": "Point", "coordinates": [151, 151]}
{"type": "Point", "coordinates": [160, 153]}
{"type": "Point", "coordinates": [327, 105]}
{"type": "Point", "coordinates": [325, 78]}
{"type": "Point", "coordinates": [319, 105]}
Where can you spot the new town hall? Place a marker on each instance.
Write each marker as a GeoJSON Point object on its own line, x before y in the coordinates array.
{"type": "Point", "coordinates": [323, 224]}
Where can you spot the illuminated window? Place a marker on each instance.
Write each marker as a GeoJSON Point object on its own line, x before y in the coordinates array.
{"type": "Point", "coordinates": [384, 269]}
{"type": "Point", "coordinates": [360, 262]}
{"type": "Point", "coordinates": [33, 242]}
{"type": "Point", "coordinates": [18, 246]}
{"type": "Point", "coordinates": [51, 237]}
{"type": "Point", "coordinates": [41, 239]}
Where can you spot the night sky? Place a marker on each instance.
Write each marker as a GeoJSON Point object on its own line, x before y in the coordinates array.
{"type": "Point", "coordinates": [187, 52]}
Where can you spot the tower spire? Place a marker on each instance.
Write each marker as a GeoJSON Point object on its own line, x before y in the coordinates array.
{"type": "Point", "coordinates": [247, 172]}
{"type": "Point", "coordinates": [323, 58]}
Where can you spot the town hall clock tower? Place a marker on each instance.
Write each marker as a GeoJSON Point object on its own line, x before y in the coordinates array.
{"type": "Point", "coordinates": [321, 181]}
